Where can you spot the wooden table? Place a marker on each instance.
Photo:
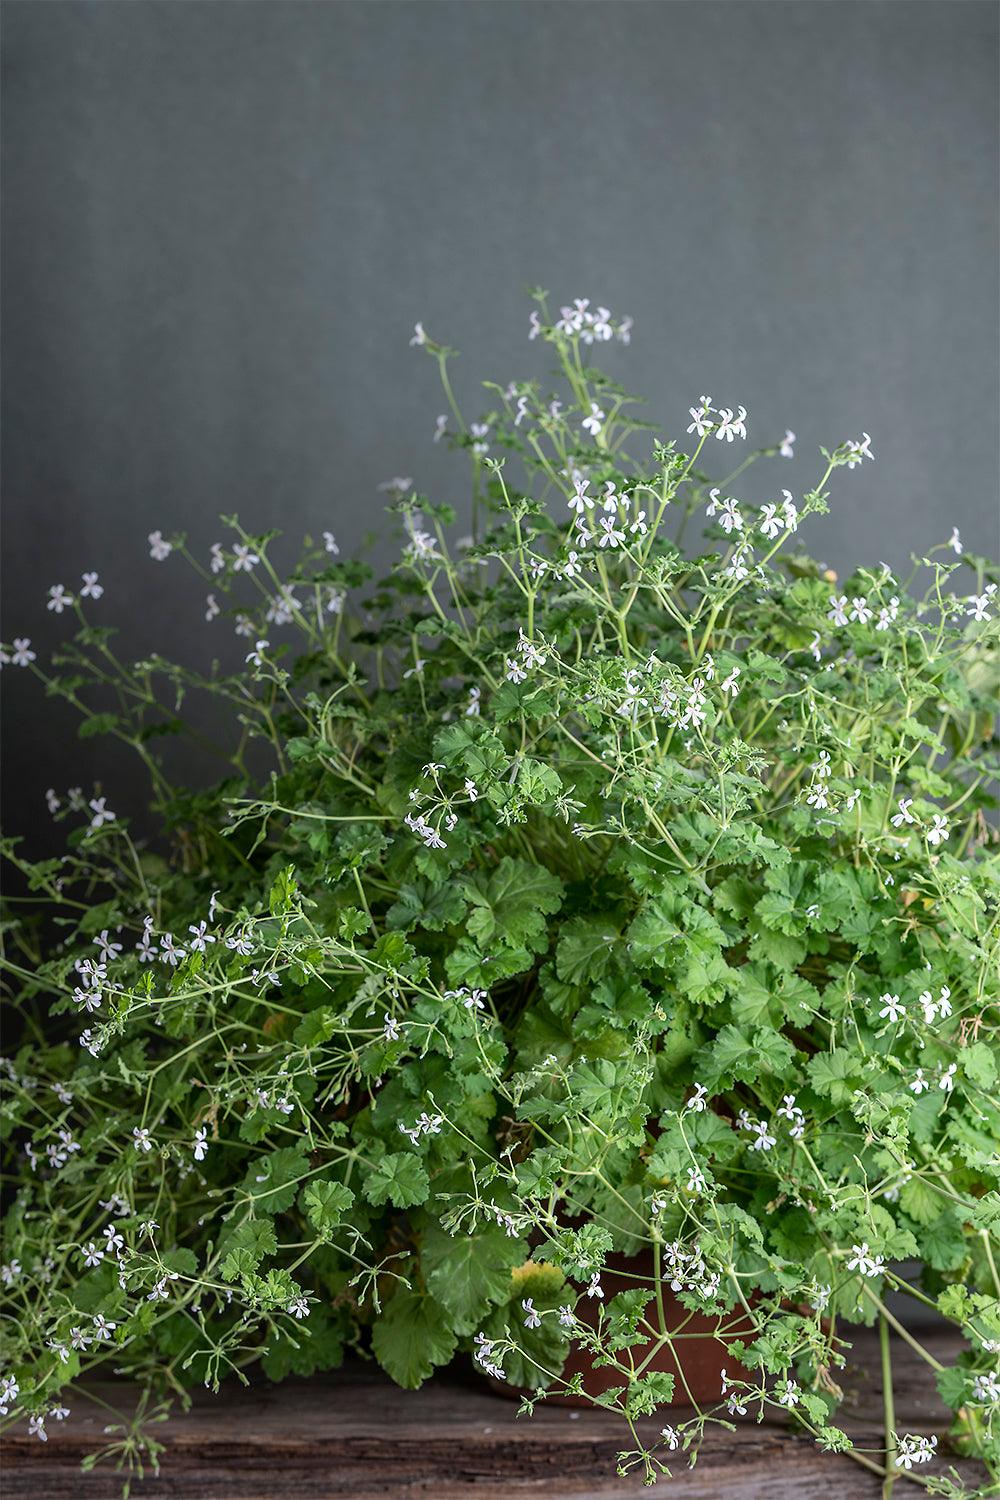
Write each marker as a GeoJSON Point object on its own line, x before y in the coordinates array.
{"type": "Point", "coordinates": [354, 1434]}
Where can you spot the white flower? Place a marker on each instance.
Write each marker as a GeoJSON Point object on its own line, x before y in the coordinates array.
{"type": "Point", "coordinates": [21, 654]}
{"type": "Point", "coordinates": [671, 1437]}
{"type": "Point", "coordinates": [159, 1292]}
{"type": "Point", "coordinates": [696, 1180]}
{"type": "Point", "coordinates": [790, 511]}
{"type": "Point", "coordinates": [730, 517]}
{"type": "Point", "coordinates": [244, 560]}
{"type": "Point", "coordinates": [700, 423]}
{"type": "Point", "coordinates": [91, 588]}
{"type": "Point", "coordinates": [78, 1339]}
{"type": "Point", "coordinates": [892, 1007]}
{"type": "Point", "coordinates": [59, 599]}
{"type": "Point", "coordinates": [199, 1149]}
{"type": "Point", "coordinates": [513, 670]}
{"type": "Point", "coordinates": [9, 1392]}
{"type": "Point", "coordinates": [864, 1261]}
{"type": "Point", "coordinates": [594, 1288]}
{"type": "Point", "coordinates": [860, 610]}
{"type": "Point", "coordinates": [92, 1254]}
{"type": "Point", "coordinates": [99, 808]}
{"type": "Point", "coordinates": [787, 1394]}
{"type": "Point", "coordinates": [904, 815]}
{"type": "Point", "coordinates": [472, 710]}
{"type": "Point", "coordinates": [298, 1308]}
{"type": "Point", "coordinates": [592, 423]}
{"type": "Point", "coordinates": [141, 1139]}
{"type": "Point", "coordinates": [580, 501]}
{"type": "Point", "coordinates": [919, 1084]}
{"type": "Point", "coordinates": [159, 548]}
{"type": "Point", "coordinates": [986, 1388]}
{"type": "Point", "coordinates": [612, 536]}
{"type": "Point", "coordinates": [170, 952]}
{"type": "Point", "coordinates": [913, 1449]}
{"type": "Point", "coordinates": [838, 609]}
{"type": "Point", "coordinates": [109, 950]}
{"type": "Point", "coordinates": [522, 410]}
{"type": "Point", "coordinates": [790, 1111]}
{"type": "Point", "coordinates": [419, 336]}
{"type": "Point", "coordinates": [978, 607]}
{"type": "Point", "coordinates": [36, 1428]}
{"type": "Point", "coordinates": [211, 607]}
{"type": "Point", "coordinates": [254, 657]}
{"type": "Point", "coordinates": [200, 936]}
{"type": "Point", "coordinates": [390, 1029]}
{"type": "Point", "coordinates": [947, 1079]}
{"type": "Point", "coordinates": [479, 431]}
{"type": "Point", "coordinates": [955, 542]}
{"type": "Point", "coordinates": [10, 1272]}
{"type": "Point", "coordinates": [731, 685]}
{"type": "Point", "coordinates": [787, 449]}
{"type": "Point", "coordinates": [857, 451]}
{"type": "Point", "coordinates": [483, 1355]}
{"type": "Point", "coordinates": [531, 1316]}
{"type": "Point", "coordinates": [770, 522]}
{"type": "Point", "coordinates": [440, 427]}
{"type": "Point", "coordinates": [696, 1103]}
{"type": "Point", "coordinates": [567, 1317]}
{"type": "Point", "coordinates": [764, 1140]}
{"type": "Point", "coordinates": [939, 831]}
{"type": "Point", "coordinates": [729, 426]}
{"type": "Point", "coordinates": [52, 801]}
{"type": "Point", "coordinates": [534, 324]}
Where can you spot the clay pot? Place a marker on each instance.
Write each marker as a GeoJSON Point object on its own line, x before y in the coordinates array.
{"type": "Point", "coordinates": [702, 1355]}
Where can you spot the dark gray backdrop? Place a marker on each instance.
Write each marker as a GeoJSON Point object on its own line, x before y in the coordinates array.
{"type": "Point", "coordinates": [222, 219]}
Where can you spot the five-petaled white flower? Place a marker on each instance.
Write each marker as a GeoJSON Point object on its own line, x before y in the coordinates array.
{"type": "Point", "coordinates": [864, 1261]}
{"type": "Point", "coordinates": [904, 815]}
{"type": "Point", "coordinates": [21, 654]}
{"type": "Point", "coordinates": [978, 607]}
{"type": "Point", "coordinates": [141, 1138]}
{"type": "Point", "coordinates": [696, 1103]}
{"type": "Point", "coordinates": [92, 1254]}
{"type": "Point", "coordinates": [892, 1007]}
{"type": "Point", "coordinates": [938, 832]}
{"type": "Point", "coordinates": [159, 548]}
{"type": "Point", "coordinates": [244, 558]}
{"type": "Point", "coordinates": [860, 610]}
{"type": "Point", "coordinates": [199, 1149]}
{"type": "Point", "coordinates": [92, 589]}
{"type": "Point", "coordinates": [59, 599]}
{"type": "Point", "coordinates": [532, 1318]}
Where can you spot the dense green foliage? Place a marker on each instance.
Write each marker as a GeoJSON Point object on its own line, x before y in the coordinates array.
{"type": "Point", "coordinates": [597, 896]}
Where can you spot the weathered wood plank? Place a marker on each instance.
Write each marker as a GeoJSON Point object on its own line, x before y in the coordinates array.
{"type": "Point", "coordinates": [355, 1435]}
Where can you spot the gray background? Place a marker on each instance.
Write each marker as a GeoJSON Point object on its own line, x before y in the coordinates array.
{"type": "Point", "coordinates": [222, 219]}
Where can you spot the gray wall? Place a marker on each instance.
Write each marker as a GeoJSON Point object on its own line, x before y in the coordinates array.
{"type": "Point", "coordinates": [222, 220]}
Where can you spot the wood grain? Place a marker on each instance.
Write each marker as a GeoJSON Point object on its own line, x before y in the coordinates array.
{"type": "Point", "coordinates": [353, 1434]}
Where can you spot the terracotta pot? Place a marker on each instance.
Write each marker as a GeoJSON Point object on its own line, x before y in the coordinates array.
{"type": "Point", "coordinates": [702, 1356]}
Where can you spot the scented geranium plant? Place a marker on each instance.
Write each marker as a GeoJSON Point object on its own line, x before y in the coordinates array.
{"type": "Point", "coordinates": [571, 895]}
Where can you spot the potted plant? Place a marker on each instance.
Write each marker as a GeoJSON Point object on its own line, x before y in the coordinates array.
{"type": "Point", "coordinates": [588, 962]}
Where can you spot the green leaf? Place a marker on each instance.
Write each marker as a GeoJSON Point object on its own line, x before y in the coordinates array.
{"type": "Point", "coordinates": [325, 1203]}
{"type": "Point", "coordinates": [469, 1273]}
{"type": "Point", "coordinates": [272, 1181]}
{"type": "Point", "coordinates": [585, 949]}
{"type": "Point", "coordinates": [511, 907]}
{"type": "Point", "coordinates": [400, 1179]}
{"type": "Point", "coordinates": [411, 1338]}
